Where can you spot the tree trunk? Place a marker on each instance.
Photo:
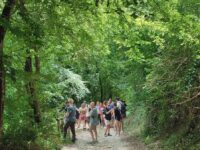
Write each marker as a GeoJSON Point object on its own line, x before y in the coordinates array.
{"type": "Point", "coordinates": [31, 85]}
{"type": "Point", "coordinates": [31, 88]}
{"type": "Point", "coordinates": [37, 64]}
{"type": "Point", "coordinates": [5, 17]}
{"type": "Point", "coordinates": [97, 3]}
{"type": "Point", "coordinates": [2, 89]}
{"type": "Point", "coordinates": [36, 106]}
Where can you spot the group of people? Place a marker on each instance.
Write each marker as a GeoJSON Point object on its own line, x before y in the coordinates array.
{"type": "Point", "coordinates": [106, 114]}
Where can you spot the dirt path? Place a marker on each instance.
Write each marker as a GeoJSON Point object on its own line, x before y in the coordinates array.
{"type": "Point", "coordinates": [113, 142]}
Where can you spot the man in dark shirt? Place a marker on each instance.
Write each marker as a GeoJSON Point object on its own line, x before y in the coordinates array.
{"type": "Point", "coordinates": [108, 116]}
{"type": "Point", "coordinates": [70, 119]}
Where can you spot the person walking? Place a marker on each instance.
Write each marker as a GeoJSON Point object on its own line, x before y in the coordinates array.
{"type": "Point", "coordinates": [110, 106]}
{"type": "Point", "coordinates": [70, 119]}
{"type": "Point", "coordinates": [123, 113]}
{"type": "Point", "coordinates": [88, 116]}
{"type": "Point", "coordinates": [98, 109]}
{"type": "Point", "coordinates": [118, 118]}
{"type": "Point", "coordinates": [101, 108]}
{"type": "Point", "coordinates": [107, 117]}
{"type": "Point", "coordinates": [82, 116]}
{"type": "Point", "coordinates": [94, 121]}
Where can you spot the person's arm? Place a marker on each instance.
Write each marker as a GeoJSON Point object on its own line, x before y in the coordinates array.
{"type": "Point", "coordinates": [77, 109]}
{"type": "Point", "coordinates": [113, 112]}
{"type": "Point", "coordinates": [110, 111]}
{"type": "Point", "coordinates": [68, 112]}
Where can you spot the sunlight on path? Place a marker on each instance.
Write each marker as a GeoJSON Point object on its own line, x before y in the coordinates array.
{"type": "Point", "coordinates": [104, 143]}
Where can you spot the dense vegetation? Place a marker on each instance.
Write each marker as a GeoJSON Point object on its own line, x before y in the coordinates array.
{"type": "Point", "coordinates": [145, 51]}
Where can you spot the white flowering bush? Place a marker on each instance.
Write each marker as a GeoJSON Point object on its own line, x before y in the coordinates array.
{"type": "Point", "coordinates": [66, 84]}
{"type": "Point", "coordinates": [72, 84]}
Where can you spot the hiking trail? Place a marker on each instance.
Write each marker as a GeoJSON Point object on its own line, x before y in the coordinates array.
{"type": "Point", "coordinates": [114, 142]}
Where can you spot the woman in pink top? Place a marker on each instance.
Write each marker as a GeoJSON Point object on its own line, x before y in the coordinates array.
{"type": "Point", "coordinates": [82, 116]}
{"type": "Point", "coordinates": [101, 108]}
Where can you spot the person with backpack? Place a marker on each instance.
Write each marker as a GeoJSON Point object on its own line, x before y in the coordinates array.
{"type": "Point", "coordinates": [88, 116]}
{"type": "Point", "coordinates": [70, 119]}
{"type": "Point", "coordinates": [110, 106]}
{"type": "Point", "coordinates": [94, 121]}
{"type": "Point", "coordinates": [123, 112]}
{"type": "Point", "coordinates": [123, 109]}
{"type": "Point", "coordinates": [118, 118]}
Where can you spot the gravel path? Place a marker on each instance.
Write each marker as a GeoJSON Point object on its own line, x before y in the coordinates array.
{"type": "Point", "coordinates": [113, 142]}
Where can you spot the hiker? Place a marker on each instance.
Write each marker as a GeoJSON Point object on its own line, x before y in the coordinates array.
{"type": "Point", "coordinates": [110, 103]}
{"type": "Point", "coordinates": [101, 108]}
{"type": "Point", "coordinates": [97, 107]}
{"type": "Point", "coordinates": [77, 115]}
{"type": "Point", "coordinates": [70, 119]}
{"type": "Point", "coordinates": [110, 107]}
{"type": "Point", "coordinates": [82, 116]}
{"type": "Point", "coordinates": [119, 103]}
{"type": "Point", "coordinates": [62, 119]}
{"type": "Point", "coordinates": [118, 118]}
{"type": "Point", "coordinates": [107, 117]}
{"type": "Point", "coordinates": [123, 112]}
{"type": "Point", "coordinates": [123, 108]}
{"type": "Point", "coordinates": [88, 116]}
{"type": "Point", "coordinates": [93, 122]}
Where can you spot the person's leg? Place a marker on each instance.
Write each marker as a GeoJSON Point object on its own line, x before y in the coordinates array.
{"type": "Point", "coordinates": [79, 122]}
{"type": "Point", "coordinates": [87, 122]}
{"type": "Point", "coordinates": [72, 126]}
{"type": "Point", "coordinates": [109, 126]}
{"type": "Point", "coordinates": [91, 132]}
{"type": "Point", "coordinates": [101, 118]}
{"type": "Point", "coordinates": [95, 132]}
{"type": "Point", "coordinates": [119, 127]}
{"type": "Point", "coordinates": [84, 123]}
{"type": "Point", "coordinates": [122, 125]}
{"type": "Point", "coordinates": [117, 122]}
{"type": "Point", "coordinates": [108, 129]}
{"type": "Point", "coordinates": [116, 126]}
{"type": "Point", "coordinates": [66, 126]}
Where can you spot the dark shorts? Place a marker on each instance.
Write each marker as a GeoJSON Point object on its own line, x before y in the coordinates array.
{"type": "Point", "coordinates": [118, 118]}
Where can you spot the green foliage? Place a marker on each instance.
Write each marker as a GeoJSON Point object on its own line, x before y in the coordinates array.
{"type": "Point", "coordinates": [147, 52]}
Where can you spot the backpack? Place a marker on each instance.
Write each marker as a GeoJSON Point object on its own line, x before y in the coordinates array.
{"type": "Point", "coordinates": [123, 108]}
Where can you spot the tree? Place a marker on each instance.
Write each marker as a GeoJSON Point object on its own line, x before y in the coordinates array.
{"type": "Point", "coordinates": [5, 18]}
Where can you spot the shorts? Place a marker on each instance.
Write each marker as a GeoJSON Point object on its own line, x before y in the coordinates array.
{"type": "Point", "coordinates": [107, 122]}
{"type": "Point", "coordinates": [118, 118]}
{"type": "Point", "coordinates": [82, 117]}
{"type": "Point", "coordinates": [93, 127]}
